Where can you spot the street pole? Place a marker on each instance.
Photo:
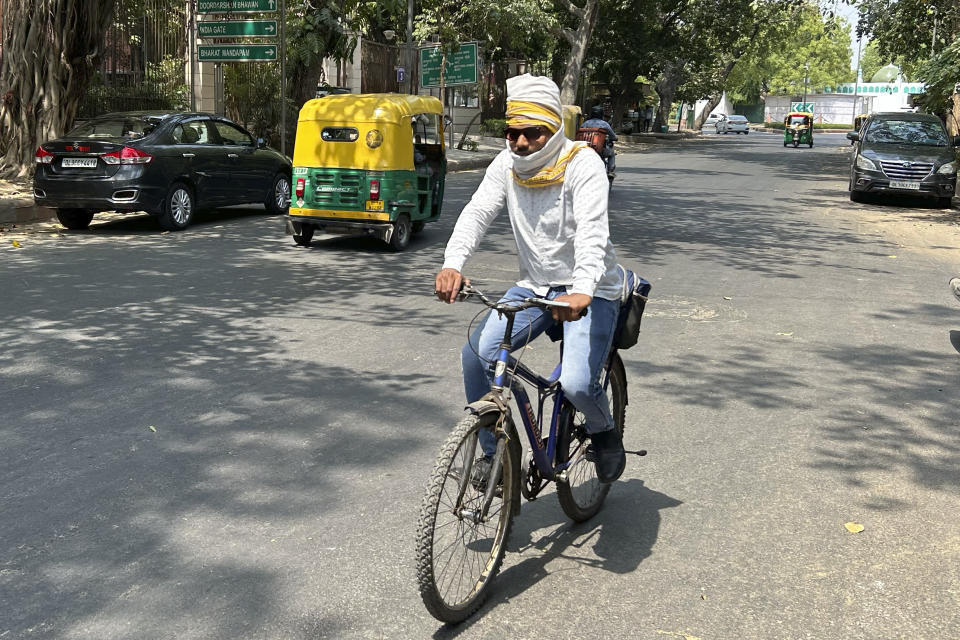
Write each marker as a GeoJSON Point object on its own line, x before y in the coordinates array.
{"type": "Point", "coordinates": [806, 73]}
{"type": "Point", "coordinates": [856, 83]}
{"type": "Point", "coordinates": [283, 77]}
{"type": "Point", "coordinates": [408, 52]}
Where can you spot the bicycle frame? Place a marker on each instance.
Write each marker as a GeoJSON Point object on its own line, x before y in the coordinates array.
{"type": "Point", "coordinates": [506, 371]}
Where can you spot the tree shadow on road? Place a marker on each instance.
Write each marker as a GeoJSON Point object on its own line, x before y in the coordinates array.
{"type": "Point", "coordinates": [617, 540]}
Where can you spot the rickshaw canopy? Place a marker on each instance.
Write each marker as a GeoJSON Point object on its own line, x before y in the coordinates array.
{"type": "Point", "coordinates": [374, 131]}
{"type": "Point", "coordinates": [806, 118]}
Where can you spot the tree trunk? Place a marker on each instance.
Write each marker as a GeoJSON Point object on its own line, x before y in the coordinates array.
{"type": "Point", "coordinates": [494, 103]}
{"type": "Point", "coordinates": [51, 49]}
{"type": "Point", "coordinates": [714, 99]}
{"type": "Point", "coordinates": [579, 43]}
{"type": "Point", "coordinates": [953, 123]}
{"type": "Point", "coordinates": [666, 88]}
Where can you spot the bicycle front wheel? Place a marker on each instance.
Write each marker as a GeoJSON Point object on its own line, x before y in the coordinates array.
{"type": "Point", "coordinates": [582, 495]}
{"type": "Point", "coordinates": [460, 540]}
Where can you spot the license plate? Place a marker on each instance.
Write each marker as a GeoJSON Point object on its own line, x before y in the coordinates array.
{"type": "Point", "coordinates": [374, 205]}
{"type": "Point", "coordinates": [79, 163]}
{"type": "Point", "coordinates": [905, 184]}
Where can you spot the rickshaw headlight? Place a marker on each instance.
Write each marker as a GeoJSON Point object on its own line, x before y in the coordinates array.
{"type": "Point", "coordinates": [948, 168]}
{"type": "Point", "coordinates": [866, 163]}
{"type": "Point", "coordinates": [374, 138]}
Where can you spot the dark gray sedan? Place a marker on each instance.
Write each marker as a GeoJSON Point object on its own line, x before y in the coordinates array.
{"type": "Point", "coordinates": [904, 154]}
{"type": "Point", "coordinates": [167, 164]}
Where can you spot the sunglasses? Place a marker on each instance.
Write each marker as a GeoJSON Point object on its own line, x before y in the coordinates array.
{"type": "Point", "coordinates": [530, 133]}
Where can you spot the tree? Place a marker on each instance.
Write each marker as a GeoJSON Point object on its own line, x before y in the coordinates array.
{"type": "Point", "coordinates": [50, 52]}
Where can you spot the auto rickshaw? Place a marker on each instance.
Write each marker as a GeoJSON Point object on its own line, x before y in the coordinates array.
{"type": "Point", "coordinates": [370, 164]}
{"type": "Point", "coordinates": [797, 128]}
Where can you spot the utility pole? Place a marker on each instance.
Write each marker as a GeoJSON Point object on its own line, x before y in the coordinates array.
{"type": "Point", "coordinates": [408, 52]}
{"type": "Point", "coordinates": [856, 82]}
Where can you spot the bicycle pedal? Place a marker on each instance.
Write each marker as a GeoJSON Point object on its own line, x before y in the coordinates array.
{"type": "Point", "coordinates": [641, 452]}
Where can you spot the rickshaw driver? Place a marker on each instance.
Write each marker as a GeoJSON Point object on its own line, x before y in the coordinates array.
{"type": "Point", "coordinates": [556, 198]}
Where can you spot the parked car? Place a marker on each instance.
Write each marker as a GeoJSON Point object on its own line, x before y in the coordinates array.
{"type": "Point", "coordinates": [734, 124]}
{"type": "Point", "coordinates": [905, 154]}
{"type": "Point", "coordinates": [165, 163]}
{"type": "Point", "coordinates": [713, 119]}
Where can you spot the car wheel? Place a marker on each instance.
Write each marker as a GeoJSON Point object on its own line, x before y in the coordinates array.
{"type": "Point", "coordinates": [400, 238]}
{"type": "Point", "coordinates": [278, 198]}
{"type": "Point", "coordinates": [177, 208]}
{"type": "Point", "coordinates": [945, 202]}
{"type": "Point", "coordinates": [856, 196]}
{"type": "Point", "coordinates": [746, 133]}
{"type": "Point", "coordinates": [75, 218]}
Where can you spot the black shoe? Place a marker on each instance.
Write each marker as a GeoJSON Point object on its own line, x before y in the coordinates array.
{"type": "Point", "coordinates": [608, 454]}
{"type": "Point", "coordinates": [481, 473]}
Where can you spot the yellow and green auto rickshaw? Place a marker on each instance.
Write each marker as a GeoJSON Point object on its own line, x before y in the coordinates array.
{"type": "Point", "coordinates": [370, 164]}
{"type": "Point", "coordinates": [797, 128]}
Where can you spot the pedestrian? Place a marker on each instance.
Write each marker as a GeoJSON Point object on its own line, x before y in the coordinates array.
{"type": "Point", "coordinates": [647, 118]}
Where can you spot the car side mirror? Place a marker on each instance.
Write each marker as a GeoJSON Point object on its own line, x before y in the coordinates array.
{"type": "Point", "coordinates": [447, 121]}
{"type": "Point", "coordinates": [853, 135]}
{"type": "Point", "coordinates": [261, 143]}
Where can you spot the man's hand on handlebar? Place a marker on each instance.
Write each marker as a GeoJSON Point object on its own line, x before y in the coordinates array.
{"type": "Point", "coordinates": [578, 305]}
{"type": "Point", "coordinates": [447, 285]}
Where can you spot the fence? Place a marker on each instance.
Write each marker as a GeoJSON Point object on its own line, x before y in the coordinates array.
{"type": "Point", "coordinates": [142, 66]}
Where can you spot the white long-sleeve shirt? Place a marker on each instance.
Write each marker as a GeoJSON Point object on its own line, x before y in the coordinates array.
{"type": "Point", "coordinates": [562, 234]}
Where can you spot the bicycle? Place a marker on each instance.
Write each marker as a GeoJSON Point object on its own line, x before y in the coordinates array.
{"type": "Point", "coordinates": [455, 575]}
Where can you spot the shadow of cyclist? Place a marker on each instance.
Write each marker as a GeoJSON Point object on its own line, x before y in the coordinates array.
{"type": "Point", "coordinates": [617, 539]}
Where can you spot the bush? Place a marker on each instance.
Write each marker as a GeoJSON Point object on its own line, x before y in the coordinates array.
{"type": "Point", "coordinates": [493, 127]}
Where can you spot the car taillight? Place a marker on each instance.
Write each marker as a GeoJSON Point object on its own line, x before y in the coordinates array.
{"type": "Point", "coordinates": [127, 155]}
{"type": "Point", "coordinates": [42, 156]}
{"type": "Point", "coordinates": [374, 189]}
{"type": "Point", "coordinates": [301, 186]}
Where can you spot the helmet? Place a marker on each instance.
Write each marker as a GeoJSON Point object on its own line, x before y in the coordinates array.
{"type": "Point", "coordinates": [596, 112]}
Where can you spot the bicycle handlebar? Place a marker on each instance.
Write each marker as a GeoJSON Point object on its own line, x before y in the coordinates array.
{"type": "Point", "coordinates": [467, 290]}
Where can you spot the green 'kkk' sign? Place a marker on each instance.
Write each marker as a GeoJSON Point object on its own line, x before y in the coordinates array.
{"type": "Point", "coordinates": [461, 67]}
{"type": "Point", "coordinates": [235, 6]}
{"type": "Point", "coordinates": [237, 28]}
{"type": "Point", "coordinates": [237, 53]}
{"type": "Point", "coordinates": [802, 107]}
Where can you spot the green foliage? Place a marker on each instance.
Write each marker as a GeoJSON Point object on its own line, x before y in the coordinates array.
{"type": "Point", "coordinates": [940, 74]}
{"type": "Point", "coordinates": [253, 97]}
{"type": "Point", "coordinates": [493, 126]}
{"type": "Point", "coordinates": [806, 37]}
{"type": "Point", "coordinates": [903, 30]}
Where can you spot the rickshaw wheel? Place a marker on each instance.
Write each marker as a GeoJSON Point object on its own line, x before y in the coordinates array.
{"type": "Point", "coordinates": [305, 236]}
{"type": "Point", "coordinates": [796, 143]}
{"type": "Point", "coordinates": [811, 144]}
{"type": "Point", "coordinates": [400, 238]}
{"type": "Point", "coordinates": [784, 143]}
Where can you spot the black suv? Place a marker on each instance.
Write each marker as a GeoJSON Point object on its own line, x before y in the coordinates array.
{"type": "Point", "coordinates": [905, 154]}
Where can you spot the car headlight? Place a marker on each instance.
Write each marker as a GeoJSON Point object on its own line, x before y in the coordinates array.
{"type": "Point", "coordinates": [950, 167]}
{"type": "Point", "coordinates": [866, 163]}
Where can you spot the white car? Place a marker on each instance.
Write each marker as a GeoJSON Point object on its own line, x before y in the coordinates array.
{"type": "Point", "coordinates": [713, 119]}
{"type": "Point", "coordinates": [736, 124]}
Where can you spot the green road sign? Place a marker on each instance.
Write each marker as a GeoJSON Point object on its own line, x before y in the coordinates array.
{"type": "Point", "coordinates": [235, 6]}
{"type": "Point", "coordinates": [237, 28]}
{"type": "Point", "coordinates": [237, 53]}
{"type": "Point", "coordinates": [461, 67]}
{"type": "Point", "coordinates": [802, 107]}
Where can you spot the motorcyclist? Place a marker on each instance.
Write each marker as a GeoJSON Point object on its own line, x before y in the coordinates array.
{"type": "Point", "coordinates": [596, 121]}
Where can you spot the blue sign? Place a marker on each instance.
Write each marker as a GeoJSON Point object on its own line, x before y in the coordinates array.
{"type": "Point", "coordinates": [401, 74]}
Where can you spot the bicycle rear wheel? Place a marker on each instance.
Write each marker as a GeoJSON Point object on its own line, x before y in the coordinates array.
{"type": "Point", "coordinates": [582, 495]}
{"type": "Point", "coordinates": [458, 551]}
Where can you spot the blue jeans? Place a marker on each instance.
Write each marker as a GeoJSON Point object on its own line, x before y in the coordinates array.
{"type": "Point", "coordinates": [586, 344]}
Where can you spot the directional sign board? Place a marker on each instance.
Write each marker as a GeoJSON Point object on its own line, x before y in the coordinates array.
{"type": "Point", "coordinates": [237, 53]}
{"type": "Point", "coordinates": [461, 67]}
{"type": "Point", "coordinates": [802, 107]}
{"type": "Point", "coordinates": [237, 29]}
{"type": "Point", "coordinates": [236, 6]}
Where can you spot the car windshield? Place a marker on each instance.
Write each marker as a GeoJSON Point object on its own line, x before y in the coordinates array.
{"type": "Point", "coordinates": [737, 119]}
{"type": "Point", "coordinates": [118, 127]}
{"type": "Point", "coordinates": [797, 120]}
{"type": "Point", "coordinates": [916, 132]}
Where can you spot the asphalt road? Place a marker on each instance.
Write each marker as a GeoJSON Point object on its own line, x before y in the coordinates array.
{"type": "Point", "coordinates": [216, 434]}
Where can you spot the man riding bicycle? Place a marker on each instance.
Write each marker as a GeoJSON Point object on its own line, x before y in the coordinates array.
{"type": "Point", "coordinates": [556, 197]}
